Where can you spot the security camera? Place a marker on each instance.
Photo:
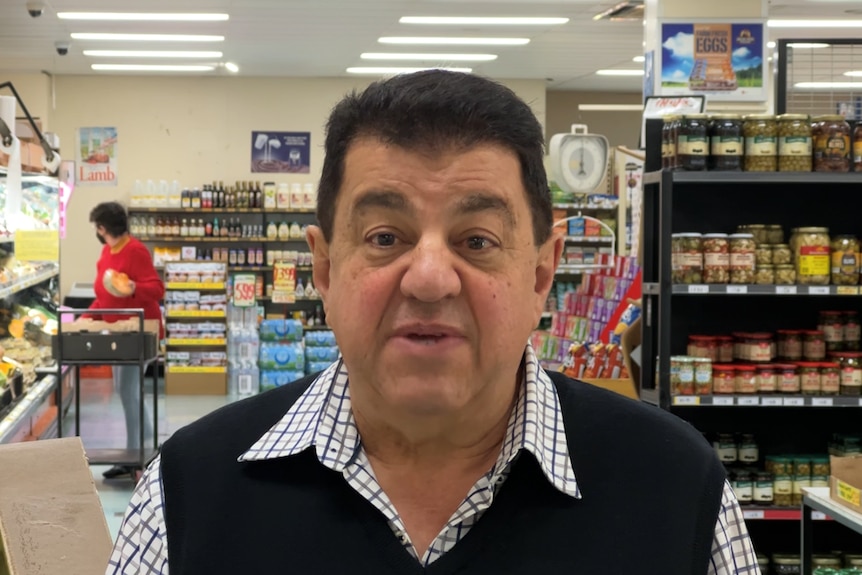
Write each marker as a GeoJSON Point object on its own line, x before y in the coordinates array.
{"type": "Point", "coordinates": [62, 48]}
{"type": "Point", "coordinates": [35, 8]}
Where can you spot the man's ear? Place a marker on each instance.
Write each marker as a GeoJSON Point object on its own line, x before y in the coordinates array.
{"type": "Point", "coordinates": [320, 260]}
{"type": "Point", "coordinates": [546, 266]}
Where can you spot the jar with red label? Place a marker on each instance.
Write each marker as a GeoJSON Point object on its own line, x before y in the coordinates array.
{"type": "Point", "coordinates": [831, 323]}
{"type": "Point", "coordinates": [830, 378]}
{"type": "Point", "coordinates": [725, 348]}
{"type": "Point", "coordinates": [790, 344]}
{"type": "Point", "coordinates": [716, 259]}
{"type": "Point", "coordinates": [809, 378]}
{"type": "Point", "coordinates": [767, 379]}
{"type": "Point", "coordinates": [746, 379]}
{"type": "Point", "coordinates": [851, 373]}
{"type": "Point", "coordinates": [739, 345]}
{"type": "Point", "coordinates": [702, 346]}
{"type": "Point", "coordinates": [814, 345]}
{"type": "Point", "coordinates": [852, 331]}
{"type": "Point", "coordinates": [702, 375]}
{"type": "Point", "coordinates": [742, 258]}
{"type": "Point", "coordinates": [723, 379]}
{"type": "Point", "coordinates": [759, 347]}
{"type": "Point", "coordinates": [788, 378]}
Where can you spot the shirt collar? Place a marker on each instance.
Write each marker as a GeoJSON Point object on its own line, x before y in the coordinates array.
{"type": "Point", "coordinates": [322, 418]}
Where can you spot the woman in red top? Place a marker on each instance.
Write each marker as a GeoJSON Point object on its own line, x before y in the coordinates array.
{"type": "Point", "coordinates": [123, 253]}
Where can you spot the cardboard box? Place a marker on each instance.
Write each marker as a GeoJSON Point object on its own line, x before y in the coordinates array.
{"type": "Point", "coordinates": [845, 484]}
{"type": "Point", "coordinates": [195, 383]}
{"type": "Point", "coordinates": [51, 520]}
{"type": "Point", "coordinates": [121, 326]}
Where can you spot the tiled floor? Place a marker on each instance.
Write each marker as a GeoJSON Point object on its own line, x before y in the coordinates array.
{"type": "Point", "coordinates": [103, 426]}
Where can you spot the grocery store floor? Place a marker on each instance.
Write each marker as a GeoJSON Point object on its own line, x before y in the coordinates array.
{"type": "Point", "coordinates": [103, 426]}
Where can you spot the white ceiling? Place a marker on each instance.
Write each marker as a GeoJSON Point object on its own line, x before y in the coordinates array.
{"type": "Point", "coordinates": [324, 37]}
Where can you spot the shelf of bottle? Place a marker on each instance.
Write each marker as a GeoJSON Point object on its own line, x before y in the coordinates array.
{"type": "Point", "coordinates": [180, 210]}
{"type": "Point", "coordinates": [207, 239]}
{"type": "Point", "coordinates": [238, 268]}
{"type": "Point", "coordinates": [299, 299]}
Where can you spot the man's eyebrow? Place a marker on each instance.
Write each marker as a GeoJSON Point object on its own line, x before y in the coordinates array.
{"type": "Point", "coordinates": [388, 200]}
{"type": "Point", "coordinates": [479, 202]}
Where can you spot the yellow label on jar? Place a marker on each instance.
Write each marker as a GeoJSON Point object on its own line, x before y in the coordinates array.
{"type": "Point", "coordinates": [832, 147]}
{"type": "Point", "coordinates": [761, 146]}
{"type": "Point", "coordinates": [814, 261]}
{"type": "Point", "coordinates": [726, 146]}
{"type": "Point", "coordinates": [794, 146]}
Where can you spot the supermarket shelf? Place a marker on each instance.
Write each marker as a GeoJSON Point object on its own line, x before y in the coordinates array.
{"type": "Point", "coordinates": [779, 514]}
{"type": "Point", "coordinates": [818, 499]}
{"type": "Point", "coordinates": [195, 285]}
{"type": "Point", "coordinates": [603, 206]}
{"type": "Point", "coordinates": [778, 178]}
{"type": "Point", "coordinates": [248, 268]}
{"type": "Point", "coordinates": [202, 239]}
{"type": "Point", "coordinates": [652, 177]}
{"type": "Point", "coordinates": [20, 415]}
{"type": "Point", "coordinates": [165, 210]}
{"type": "Point", "coordinates": [24, 282]}
{"type": "Point", "coordinates": [269, 298]}
{"type": "Point", "coordinates": [721, 289]}
{"type": "Point", "coordinates": [765, 401]}
{"type": "Point", "coordinates": [567, 269]}
{"type": "Point", "coordinates": [197, 342]}
{"type": "Point", "coordinates": [590, 239]}
{"type": "Point", "coordinates": [196, 369]}
{"type": "Point", "coordinates": [195, 314]}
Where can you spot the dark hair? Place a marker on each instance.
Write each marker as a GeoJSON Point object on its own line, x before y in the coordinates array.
{"type": "Point", "coordinates": [112, 216]}
{"type": "Point", "coordinates": [434, 110]}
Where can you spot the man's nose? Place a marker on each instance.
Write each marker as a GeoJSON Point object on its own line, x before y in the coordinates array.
{"type": "Point", "coordinates": [431, 275]}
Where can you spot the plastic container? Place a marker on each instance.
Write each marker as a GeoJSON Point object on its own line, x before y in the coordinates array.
{"type": "Point", "coordinates": [794, 143]}
{"type": "Point", "coordinates": [761, 143]}
{"type": "Point", "coordinates": [832, 144]}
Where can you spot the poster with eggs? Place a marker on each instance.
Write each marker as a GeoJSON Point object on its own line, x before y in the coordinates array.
{"type": "Point", "coordinates": [281, 152]}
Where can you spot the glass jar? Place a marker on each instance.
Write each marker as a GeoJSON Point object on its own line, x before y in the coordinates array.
{"type": "Point", "coordinates": [787, 564]}
{"type": "Point", "coordinates": [742, 261]}
{"type": "Point", "coordinates": [764, 275]}
{"type": "Point", "coordinates": [825, 562]}
{"type": "Point", "coordinates": [831, 323]}
{"type": "Point", "coordinates": [759, 348]}
{"type": "Point", "coordinates": [702, 346]}
{"type": "Point", "coordinates": [725, 348]}
{"type": "Point", "coordinates": [747, 450]}
{"type": "Point", "coordinates": [845, 260]}
{"type": "Point", "coordinates": [857, 147]}
{"type": "Point", "coordinates": [668, 142]}
{"type": "Point", "coordinates": [723, 379]}
{"type": "Point", "coordinates": [814, 345]}
{"type": "Point", "coordinates": [726, 143]}
{"type": "Point", "coordinates": [788, 378]}
{"type": "Point", "coordinates": [743, 486]}
{"type": "Point", "coordinates": [820, 465]}
{"type": "Point", "coordinates": [746, 379]}
{"type": "Point", "coordinates": [775, 234]}
{"type": "Point", "coordinates": [763, 488]}
{"type": "Point", "coordinates": [782, 488]}
{"type": "Point", "coordinates": [812, 250]}
{"type": "Point", "coordinates": [851, 373]}
{"type": "Point", "coordinates": [779, 465]}
{"type": "Point", "coordinates": [761, 143]}
{"type": "Point", "coordinates": [830, 378]}
{"type": "Point", "coordinates": [716, 259]}
{"type": "Point", "coordinates": [809, 378]}
{"type": "Point", "coordinates": [831, 144]}
{"type": "Point", "coordinates": [767, 379]}
{"type": "Point", "coordinates": [682, 375]}
{"type": "Point", "coordinates": [790, 345]}
{"type": "Point", "coordinates": [687, 258]}
{"type": "Point", "coordinates": [763, 255]}
{"type": "Point", "coordinates": [725, 448]}
{"type": "Point", "coordinates": [794, 143]}
{"type": "Point", "coordinates": [781, 254]}
{"type": "Point", "coordinates": [693, 142]}
{"type": "Point", "coordinates": [852, 331]}
{"type": "Point", "coordinates": [785, 275]}
{"type": "Point", "coordinates": [758, 231]}
{"type": "Point", "coordinates": [702, 375]}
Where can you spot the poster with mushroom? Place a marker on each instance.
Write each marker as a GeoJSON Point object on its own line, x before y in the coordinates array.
{"type": "Point", "coordinates": [280, 152]}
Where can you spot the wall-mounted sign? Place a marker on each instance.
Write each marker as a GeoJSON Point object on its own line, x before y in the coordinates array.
{"type": "Point", "coordinates": [96, 157]}
{"type": "Point", "coordinates": [281, 152]}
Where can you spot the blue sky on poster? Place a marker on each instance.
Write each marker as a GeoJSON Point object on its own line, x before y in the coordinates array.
{"type": "Point", "coordinates": [678, 50]}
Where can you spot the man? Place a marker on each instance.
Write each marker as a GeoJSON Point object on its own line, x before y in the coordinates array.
{"type": "Point", "coordinates": [436, 444]}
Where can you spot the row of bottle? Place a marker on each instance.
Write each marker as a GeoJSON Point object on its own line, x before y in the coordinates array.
{"type": "Point", "coordinates": [163, 226]}
{"type": "Point", "coordinates": [243, 195]}
{"type": "Point", "coordinates": [243, 349]}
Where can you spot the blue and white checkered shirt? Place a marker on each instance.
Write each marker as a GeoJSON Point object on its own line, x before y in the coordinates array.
{"type": "Point", "coordinates": [322, 418]}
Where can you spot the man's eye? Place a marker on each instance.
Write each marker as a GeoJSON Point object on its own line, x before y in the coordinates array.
{"type": "Point", "coordinates": [478, 243]}
{"type": "Point", "coordinates": [383, 240]}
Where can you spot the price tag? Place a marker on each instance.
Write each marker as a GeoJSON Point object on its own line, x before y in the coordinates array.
{"type": "Point", "coordinates": [284, 276]}
{"type": "Point", "coordinates": [847, 290]}
{"type": "Point", "coordinates": [794, 401]}
{"type": "Point", "coordinates": [737, 289]}
{"type": "Point", "coordinates": [686, 400]}
{"type": "Point", "coordinates": [771, 401]}
{"type": "Point", "coordinates": [722, 400]}
{"type": "Point", "coordinates": [698, 289]}
{"type": "Point", "coordinates": [818, 290]}
{"type": "Point", "coordinates": [821, 401]}
{"type": "Point", "coordinates": [860, 403]}
{"type": "Point", "coordinates": [748, 401]}
{"type": "Point", "coordinates": [818, 516]}
{"type": "Point", "coordinates": [785, 290]}
{"type": "Point", "coordinates": [753, 514]}
{"type": "Point", "coordinates": [279, 296]}
{"type": "Point", "coordinates": [243, 290]}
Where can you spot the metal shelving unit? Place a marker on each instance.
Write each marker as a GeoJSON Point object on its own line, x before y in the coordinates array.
{"type": "Point", "coordinates": [816, 502]}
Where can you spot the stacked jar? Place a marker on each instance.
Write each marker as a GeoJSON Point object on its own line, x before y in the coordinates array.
{"type": "Point", "coordinates": [794, 143]}
{"type": "Point", "coordinates": [742, 258]}
{"type": "Point", "coordinates": [845, 260]}
{"type": "Point", "coordinates": [687, 258]}
{"type": "Point", "coordinates": [716, 258]}
{"type": "Point", "coordinates": [811, 248]}
{"type": "Point", "coordinates": [770, 253]}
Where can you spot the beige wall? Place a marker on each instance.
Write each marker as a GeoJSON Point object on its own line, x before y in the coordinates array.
{"type": "Point", "coordinates": [620, 128]}
{"type": "Point", "coordinates": [35, 91]}
{"type": "Point", "coordinates": [194, 130]}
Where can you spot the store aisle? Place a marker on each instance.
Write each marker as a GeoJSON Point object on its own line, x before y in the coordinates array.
{"type": "Point", "coordinates": [103, 426]}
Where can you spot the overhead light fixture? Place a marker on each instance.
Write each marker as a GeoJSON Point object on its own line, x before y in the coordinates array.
{"type": "Point", "coordinates": [454, 41]}
{"type": "Point", "coordinates": [771, 44]}
{"type": "Point", "coordinates": [142, 16]}
{"type": "Point", "coordinates": [620, 72]}
{"type": "Point", "coordinates": [422, 57]}
{"type": "Point", "coordinates": [383, 71]}
{"type": "Point", "coordinates": [481, 20]}
{"type": "Point", "coordinates": [814, 23]}
{"type": "Point", "coordinates": [828, 85]}
{"type": "Point", "coordinates": [147, 37]}
{"type": "Point", "coordinates": [231, 67]}
{"type": "Point", "coordinates": [632, 10]}
{"type": "Point", "coordinates": [151, 54]}
{"type": "Point", "coordinates": [151, 68]}
{"type": "Point", "coordinates": [808, 45]}
{"type": "Point", "coordinates": [639, 59]}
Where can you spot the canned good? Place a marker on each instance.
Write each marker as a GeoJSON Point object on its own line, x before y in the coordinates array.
{"type": "Point", "coordinates": [702, 375]}
{"type": "Point", "coordinates": [852, 331]}
{"type": "Point", "coordinates": [851, 373]}
{"type": "Point", "coordinates": [703, 346]}
{"type": "Point", "coordinates": [775, 234]}
{"type": "Point", "coordinates": [687, 258]}
{"type": "Point", "coordinates": [783, 491]}
{"type": "Point", "coordinates": [763, 488]}
{"type": "Point", "coordinates": [682, 375]}
{"type": "Point", "coordinates": [693, 142]}
{"type": "Point", "coordinates": [832, 146]}
{"type": "Point", "coordinates": [764, 275]}
{"type": "Point", "coordinates": [725, 448]}
{"type": "Point", "coordinates": [781, 254]}
{"type": "Point", "coordinates": [788, 378]}
{"type": "Point", "coordinates": [809, 376]}
{"type": "Point", "coordinates": [743, 486]}
{"type": "Point", "coordinates": [742, 258]}
{"type": "Point", "coordinates": [767, 379]}
{"type": "Point", "coordinates": [794, 143]}
{"type": "Point", "coordinates": [845, 260]}
{"type": "Point", "coordinates": [726, 143]}
{"type": "Point", "coordinates": [725, 348]}
{"type": "Point", "coordinates": [831, 323]}
{"type": "Point", "coordinates": [747, 451]}
{"type": "Point", "coordinates": [790, 344]}
{"type": "Point", "coordinates": [763, 255]}
{"type": "Point", "coordinates": [785, 275]}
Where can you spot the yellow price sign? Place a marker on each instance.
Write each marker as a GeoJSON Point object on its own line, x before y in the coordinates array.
{"type": "Point", "coordinates": [37, 246]}
{"type": "Point", "coordinates": [284, 276]}
{"type": "Point", "coordinates": [849, 493]}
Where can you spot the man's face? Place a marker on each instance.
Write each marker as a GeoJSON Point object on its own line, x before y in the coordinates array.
{"type": "Point", "coordinates": [432, 281]}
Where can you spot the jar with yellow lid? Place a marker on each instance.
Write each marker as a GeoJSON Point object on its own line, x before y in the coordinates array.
{"type": "Point", "coordinates": [761, 143]}
{"type": "Point", "coordinates": [812, 250]}
{"type": "Point", "coordinates": [832, 147]}
{"type": "Point", "coordinates": [794, 143]}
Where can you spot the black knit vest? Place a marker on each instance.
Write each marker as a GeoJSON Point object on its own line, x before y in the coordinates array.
{"type": "Point", "coordinates": [651, 489]}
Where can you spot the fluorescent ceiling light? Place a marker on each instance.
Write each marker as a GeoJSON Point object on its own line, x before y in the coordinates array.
{"type": "Point", "coordinates": [472, 20]}
{"type": "Point", "coordinates": [639, 59]}
{"type": "Point", "coordinates": [151, 68]}
{"type": "Point", "coordinates": [147, 37]}
{"type": "Point", "coordinates": [231, 67]}
{"type": "Point", "coordinates": [454, 41]}
{"type": "Point", "coordinates": [828, 85]}
{"type": "Point", "coordinates": [853, 73]}
{"type": "Point", "coordinates": [808, 45]}
{"type": "Point", "coordinates": [398, 70]}
{"type": "Point", "coordinates": [814, 23]}
{"type": "Point", "coordinates": [620, 72]}
{"type": "Point", "coordinates": [420, 57]}
{"type": "Point", "coordinates": [151, 54]}
{"type": "Point", "coordinates": [141, 16]}
{"type": "Point", "coordinates": [770, 44]}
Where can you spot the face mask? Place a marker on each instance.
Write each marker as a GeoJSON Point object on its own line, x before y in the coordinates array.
{"type": "Point", "coordinates": [100, 238]}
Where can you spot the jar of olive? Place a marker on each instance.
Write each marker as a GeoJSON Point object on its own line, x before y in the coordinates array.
{"type": "Point", "coordinates": [726, 143]}
{"type": "Point", "coordinates": [775, 234]}
{"type": "Point", "coordinates": [764, 275]}
{"type": "Point", "coordinates": [781, 254]}
{"type": "Point", "coordinates": [785, 275]}
{"type": "Point", "coordinates": [845, 260]}
{"type": "Point", "coordinates": [852, 331]}
{"type": "Point", "coordinates": [693, 142]}
{"type": "Point", "coordinates": [831, 144]}
{"type": "Point", "coordinates": [687, 258]}
{"type": "Point", "coordinates": [812, 250]}
{"type": "Point", "coordinates": [668, 142]}
{"type": "Point", "coordinates": [763, 488]}
{"type": "Point", "coordinates": [809, 377]}
{"type": "Point", "coordinates": [716, 259]}
{"type": "Point", "coordinates": [763, 255]}
{"type": "Point", "coordinates": [794, 143]}
{"type": "Point", "coordinates": [851, 373]}
{"type": "Point", "coordinates": [758, 231]}
{"type": "Point", "coordinates": [742, 259]}
{"type": "Point", "coordinates": [761, 143]}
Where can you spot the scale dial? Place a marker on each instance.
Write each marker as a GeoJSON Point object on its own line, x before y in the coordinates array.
{"type": "Point", "coordinates": [579, 162]}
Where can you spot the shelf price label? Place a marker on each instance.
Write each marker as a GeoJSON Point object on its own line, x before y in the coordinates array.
{"type": "Point", "coordinates": [284, 282]}
{"type": "Point", "coordinates": [818, 516]}
{"type": "Point", "coordinates": [785, 290]}
{"type": "Point", "coordinates": [698, 289]}
{"type": "Point", "coordinates": [737, 289]}
{"type": "Point", "coordinates": [753, 514]}
{"type": "Point", "coordinates": [725, 401]}
{"type": "Point", "coordinates": [771, 401]}
{"type": "Point", "coordinates": [748, 401]}
{"type": "Point", "coordinates": [818, 290]}
{"type": "Point", "coordinates": [822, 402]}
{"type": "Point", "coordinates": [847, 290]}
{"type": "Point", "coordinates": [686, 400]}
{"type": "Point", "coordinates": [794, 401]}
{"type": "Point", "coordinates": [243, 290]}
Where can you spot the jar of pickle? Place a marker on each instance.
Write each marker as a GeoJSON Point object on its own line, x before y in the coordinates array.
{"type": "Point", "coordinates": [775, 234]}
{"type": "Point", "coordinates": [702, 375]}
{"type": "Point", "coordinates": [682, 375]}
{"type": "Point", "coordinates": [813, 345]}
{"type": "Point", "coordinates": [785, 275]}
{"type": "Point", "coordinates": [763, 488]}
{"type": "Point", "coordinates": [723, 379]}
{"type": "Point", "coordinates": [788, 378]}
{"type": "Point", "coordinates": [693, 142]}
{"type": "Point", "coordinates": [852, 331]}
{"type": "Point", "coordinates": [761, 143]}
{"type": "Point", "coordinates": [782, 489]}
{"type": "Point", "coordinates": [726, 143]}
{"type": "Point", "coordinates": [809, 378]}
{"type": "Point", "coordinates": [668, 142]}
{"type": "Point", "coordinates": [687, 258]}
{"type": "Point", "coordinates": [763, 255]}
{"type": "Point", "coordinates": [767, 379]}
{"type": "Point", "coordinates": [857, 147]}
{"type": "Point", "coordinates": [716, 259]}
{"type": "Point", "coordinates": [746, 379]}
{"type": "Point", "coordinates": [758, 232]}
{"type": "Point", "coordinates": [725, 348]}
{"type": "Point", "coordinates": [830, 378]}
{"type": "Point", "coordinates": [781, 254]}
{"type": "Point", "coordinates": [831, 323]}
{"type": "Point", "coordinates": [786, 564]}
{"type": "Point", "coordinates": [794, 143]}
{"type": "Point", "coordinates": [764, 275]}
{"type": "Point", "coordinates": [742, 260]}
{"type": "Point", "coordinates": [820, 465]}
{"type": "Point", "coordinates": [812, 250]}
{"type": "Point", "coordinates": [832, 145]}
{"type": "Point", "coordinates": [851, 373]}
{"type": "Point", "coordinates": [845, 260]}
